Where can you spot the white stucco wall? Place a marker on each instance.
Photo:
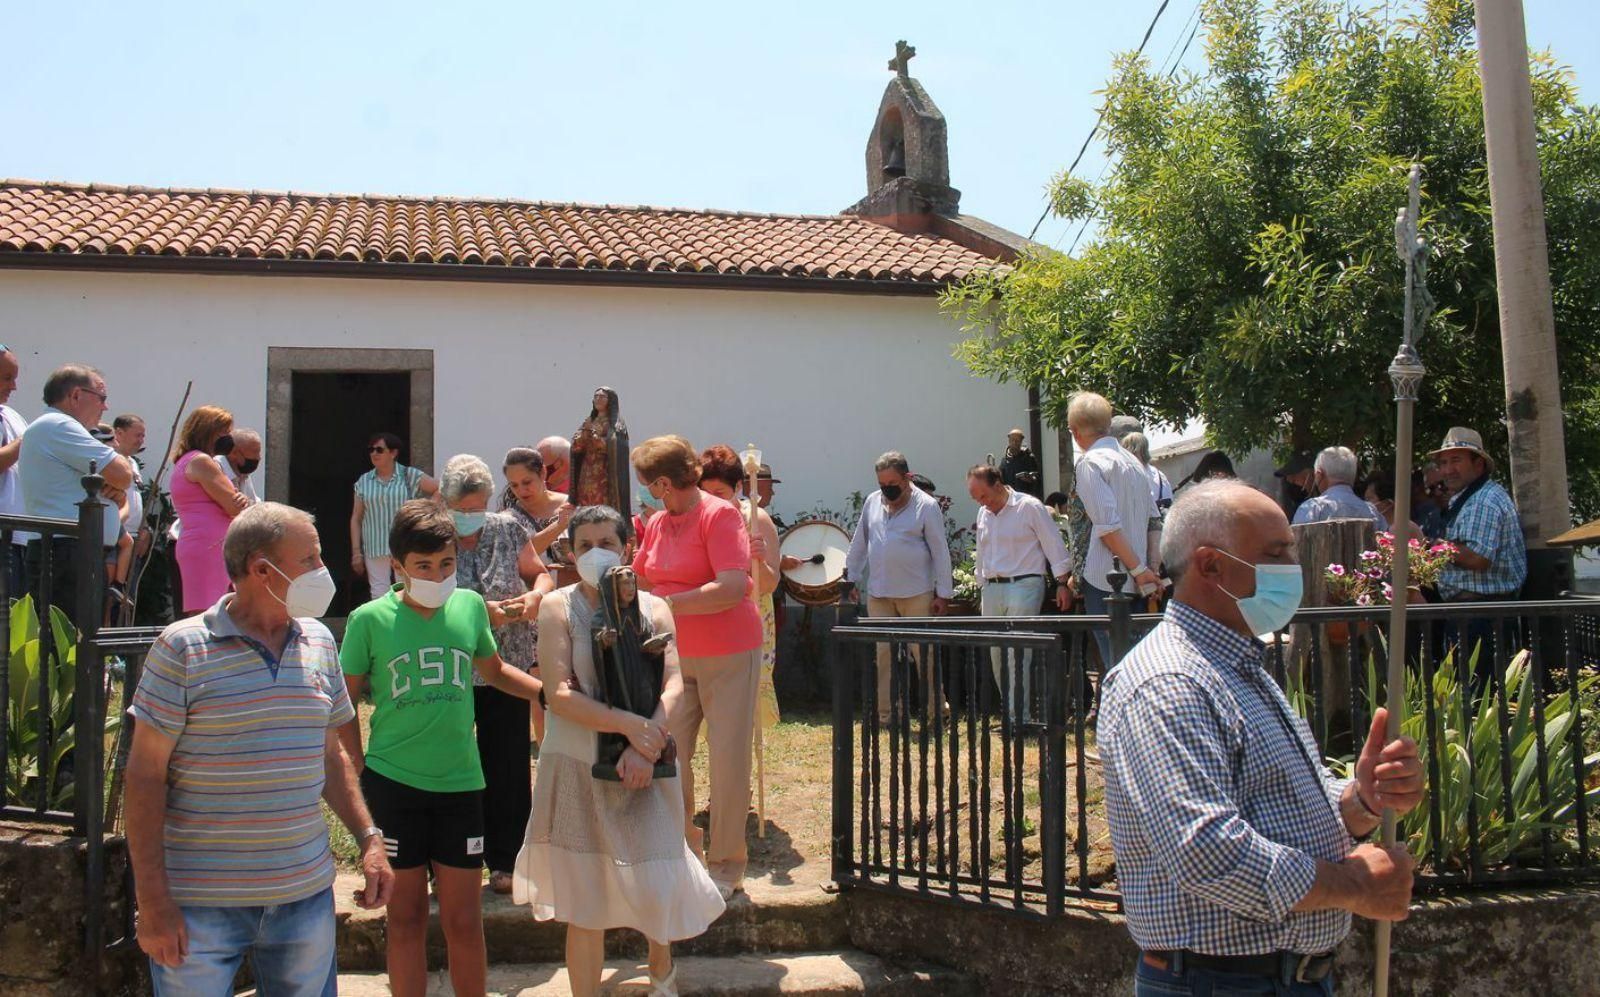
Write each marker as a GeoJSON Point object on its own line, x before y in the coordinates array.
{"type": "Point", "coordinates": [822, 382]}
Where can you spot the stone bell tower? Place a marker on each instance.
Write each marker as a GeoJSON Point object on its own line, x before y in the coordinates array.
{"type": "Point", "coordinates": [908, 152]}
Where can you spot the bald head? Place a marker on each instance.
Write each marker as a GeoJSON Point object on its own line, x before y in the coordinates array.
{"type": "Point", "coordinates": [1222, 512]}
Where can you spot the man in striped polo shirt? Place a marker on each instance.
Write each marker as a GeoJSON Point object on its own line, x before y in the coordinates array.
{"type": "Point", "coordinates": [235, 741]}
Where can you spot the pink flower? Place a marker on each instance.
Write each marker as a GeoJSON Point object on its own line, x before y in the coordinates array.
{"type": "Point", "coordinates": [1416, 544]}
{"type": "Point", "coordinates": [1388, 592]}
{"type": "Point", "coordinates": [1370, 555]}
{"type": "Point", "coordinates": [1336, 570]}
{"type": "Point", "coordinates": [1363, 599]}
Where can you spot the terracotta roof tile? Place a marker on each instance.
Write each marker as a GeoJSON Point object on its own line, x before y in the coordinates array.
{"type": "Point", "coordinates": [93, 220]}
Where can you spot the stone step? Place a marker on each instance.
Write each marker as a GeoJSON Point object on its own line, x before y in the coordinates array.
{"type": "Point", "coordinates": [765, 918]}
{"type": "Point", "coordinates": [835, 972]}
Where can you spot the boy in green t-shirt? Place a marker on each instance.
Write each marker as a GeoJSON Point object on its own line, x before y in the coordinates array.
{"type": "Point", "coordinates": [415, 649]}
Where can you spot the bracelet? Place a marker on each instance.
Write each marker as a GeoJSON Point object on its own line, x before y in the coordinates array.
{"type": "Point", "coordinates": [1363, 804]}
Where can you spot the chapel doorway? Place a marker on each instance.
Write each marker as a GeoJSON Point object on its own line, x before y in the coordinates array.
{"type": "Point", "coordinates": [324, 406]}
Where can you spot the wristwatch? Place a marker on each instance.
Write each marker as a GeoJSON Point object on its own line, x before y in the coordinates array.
{"type": "Point", "coordinates": [370, 831]}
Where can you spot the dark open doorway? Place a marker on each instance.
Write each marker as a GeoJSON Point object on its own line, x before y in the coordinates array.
{"type": "Point", "coordinates": [334, 414]}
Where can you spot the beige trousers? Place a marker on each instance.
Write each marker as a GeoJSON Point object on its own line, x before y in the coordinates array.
{"type": "Point", "coordinates": [915, 605]}
{"type": "Point", "coordinates": [720, 691]}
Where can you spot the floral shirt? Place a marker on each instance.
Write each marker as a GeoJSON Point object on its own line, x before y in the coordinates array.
{"type": "Point", "coordinates": [490, 569]}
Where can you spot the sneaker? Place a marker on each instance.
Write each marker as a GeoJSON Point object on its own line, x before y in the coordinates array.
{"type": "Point", "coordinates": [500, 882]}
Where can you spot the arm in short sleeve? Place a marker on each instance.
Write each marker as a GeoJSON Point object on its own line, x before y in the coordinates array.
{"type": "Point", "coordinates": [727, 544]}
{"type": "Point", "coordinates": [340, 710]}
{"type": "Point", "coordinates": [1171, 760]}
{"type": "Point", "coordinates": [486, 646]}
{"type": "Point", "coordinates": [355, 654]}
{"type": "Point", "coordinates": [162, 698]}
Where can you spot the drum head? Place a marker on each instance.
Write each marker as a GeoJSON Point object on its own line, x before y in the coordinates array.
{"type": "Point", "coordinates": [808, 539]}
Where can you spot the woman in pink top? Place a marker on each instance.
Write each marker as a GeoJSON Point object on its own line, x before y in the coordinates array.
{"type": "Point", "coordinates": [206, 502]}
{"type": "Point", "coordinates": [697, 557]}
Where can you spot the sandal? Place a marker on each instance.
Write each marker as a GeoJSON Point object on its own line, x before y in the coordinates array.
{"type": "Point", "coordinates": [500, 882]}
{"type": "Point", "coordinates": [667, 987]}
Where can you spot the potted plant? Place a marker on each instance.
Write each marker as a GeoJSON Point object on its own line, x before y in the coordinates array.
{"type": "Point", "coordinates": [1369, 582]}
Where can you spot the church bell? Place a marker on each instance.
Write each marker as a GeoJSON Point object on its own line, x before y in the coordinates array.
{"type": "Point", "coordinates": [894, 165]}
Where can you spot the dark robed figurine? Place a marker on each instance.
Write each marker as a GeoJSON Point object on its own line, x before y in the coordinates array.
{"type": "Point", "coordinates": [629, 666]}
{"type": "Point", "coordinates": [600, 471]}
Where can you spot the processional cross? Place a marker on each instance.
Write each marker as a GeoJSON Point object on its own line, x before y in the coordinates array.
{"type": "Point", "coordinates": [1405, 373]}
{"type": "Point", "coordinates": [902, 57]}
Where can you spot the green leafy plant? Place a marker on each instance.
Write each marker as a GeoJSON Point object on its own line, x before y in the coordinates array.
{"type": "Point", "coordinates": [967, 589]}
{"type": "Point", "coordinates": [24, 732]}
{"type": "Point", "coordinates": [1468, 741]}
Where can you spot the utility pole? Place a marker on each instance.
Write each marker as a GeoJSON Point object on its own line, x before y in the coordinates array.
{"type": "Point", "coordinates": [1522, 273]}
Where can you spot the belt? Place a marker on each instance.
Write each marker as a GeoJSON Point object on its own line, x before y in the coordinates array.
{"type": "Point", "coordinates": [1290, 966]}
{"type": "Point", "coordinates": [1008, 579]}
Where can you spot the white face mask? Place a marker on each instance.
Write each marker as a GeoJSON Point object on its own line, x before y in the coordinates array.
{"type": "Point", "coordinates": [595, 562]}
{"type": "Point", "coordinates": [309, 594]}
{"type": "Point", "coordinates": [430, 595]}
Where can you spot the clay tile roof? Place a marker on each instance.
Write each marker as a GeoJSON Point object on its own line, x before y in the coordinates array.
{"type": "Point", "coordinates": [381, 234]}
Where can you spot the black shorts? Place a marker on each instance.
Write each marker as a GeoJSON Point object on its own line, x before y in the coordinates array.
{"type": "Point", "coordinates": [422, 826]}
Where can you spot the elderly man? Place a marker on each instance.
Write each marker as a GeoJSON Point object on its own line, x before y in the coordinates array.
{"type": "Point", "coordinates": [1333, 478]}
{"type": "Point", "coordinates": [556, 452]}
{"type": "Point", "coordinates": [1234, 844]}
{"type": "Point", "coordinates": [242, 462]}
{"type": "Point", "coordinates": [1019, 466]}
{"type": "Point", "coordinates": [901, 556]}
{"type": "Point", "coordinates": [1115, 490]}
{"type": "Point", "coordinates": [1017, 540]}
{"type": "Point", "coordinates": [57, 451]}
{"type": "Point", "coordinates": [12, 426]}
{"type": "Point", "coordinates": [235, 741]}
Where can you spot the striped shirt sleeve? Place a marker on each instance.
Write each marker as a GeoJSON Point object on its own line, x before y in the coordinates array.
{"type": "Point", "coordinates": [340, 711]}
{"type": "Point", "coordinates": [162, 698]}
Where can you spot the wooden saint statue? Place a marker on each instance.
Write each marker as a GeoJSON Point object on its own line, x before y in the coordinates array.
{"type": "Point", "coordinates": [601, 474]}
{"type": "Point", "coordinates": [629, 668]}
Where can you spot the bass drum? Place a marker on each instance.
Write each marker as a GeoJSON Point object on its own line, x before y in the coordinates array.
{"type": "Point", "coordinates": [821, 547]}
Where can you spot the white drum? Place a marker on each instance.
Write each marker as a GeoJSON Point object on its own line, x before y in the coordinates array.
{"type": "Point", "coordinates": [822, 547]}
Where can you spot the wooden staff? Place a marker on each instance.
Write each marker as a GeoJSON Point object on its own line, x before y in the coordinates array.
{"type": "Point", "coordinates": [752, 470]}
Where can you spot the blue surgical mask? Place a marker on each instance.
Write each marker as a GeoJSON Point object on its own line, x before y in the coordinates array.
{"type": "Point", "coordinates": [651, 502]}
{"type": "Point", "coordinates": [467, 523]}
{"type": "Point", "coordinates": [1279, 589]}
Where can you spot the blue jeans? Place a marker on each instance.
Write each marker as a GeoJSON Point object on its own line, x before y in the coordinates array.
{"type": "Point", "coordinates": [1150, 981]}
{"type": "Point", "coordinates": [292, 948]}
{"type": "Point", "coordinates": [1019, 598]}
{"type": "Point", "coordinates": [1094, 604]}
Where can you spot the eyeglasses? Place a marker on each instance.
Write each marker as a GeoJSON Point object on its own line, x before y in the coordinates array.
{"type": "Point", "coordinates": [377, 450]}
{"type": "Point", "coordinates": [104, 400]}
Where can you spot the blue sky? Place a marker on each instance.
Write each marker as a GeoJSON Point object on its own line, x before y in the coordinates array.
{"type": "Point", "coordinates": [759, 107]}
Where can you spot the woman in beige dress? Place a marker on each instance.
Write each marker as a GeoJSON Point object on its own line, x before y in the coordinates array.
{"type": "Point", "coordinates": [601, 854]}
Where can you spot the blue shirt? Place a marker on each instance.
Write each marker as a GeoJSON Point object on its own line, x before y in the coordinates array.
{"type": "Point", "coordinates": [1218, 806]}
{"type": "Point", "coordinates": [901, 554]}
{"type": "Point", "coordinates": [1339, 502]}
{"type": "Point", "coordinates": [56, 453]}
{"type": "Point", "coordinates": [1488, 526]}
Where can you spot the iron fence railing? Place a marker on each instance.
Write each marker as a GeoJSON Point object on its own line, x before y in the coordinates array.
{"type": "Point", "coordinates": [982, 806]}
{"type": "Point", "coordinates": [53, 728]}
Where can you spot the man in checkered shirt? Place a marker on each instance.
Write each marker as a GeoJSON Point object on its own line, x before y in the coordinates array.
{"type": "Point", "coordinates": [1235, 846]}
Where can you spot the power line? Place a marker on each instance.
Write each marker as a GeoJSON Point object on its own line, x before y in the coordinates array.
{"type": "Point", "coordinates": [1101, 116]}
{"type": "Point", "coordinates": [1171, 72]}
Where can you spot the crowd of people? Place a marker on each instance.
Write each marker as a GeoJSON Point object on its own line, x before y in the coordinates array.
{"type": "Point", "coordinates": [500, 613]}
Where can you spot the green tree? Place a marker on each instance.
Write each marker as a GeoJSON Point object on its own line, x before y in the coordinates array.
{"type": "Point", "coordinates": [1244, 270]}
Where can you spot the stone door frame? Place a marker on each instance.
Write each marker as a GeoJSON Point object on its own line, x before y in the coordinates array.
{"type": "Point", "coordinates": [283, 362]}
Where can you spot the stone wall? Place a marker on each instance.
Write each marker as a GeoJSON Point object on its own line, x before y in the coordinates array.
{"type": "Point", "coordinates": [1485, 945]}
{"type": "Point", "coordinates": [42, 914]}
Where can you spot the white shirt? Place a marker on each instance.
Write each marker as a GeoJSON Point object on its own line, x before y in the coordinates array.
{"type": "Point", "coordinates": [12, 426]}
{"type": "Point", "coordinates": [1160, 488]}
{"type": "Point", "coordinates": [1020, 539]}
{"type": "Point", "coordinates": [902, 553]}
{"type": "Point", "coordinates": [1115, 491]}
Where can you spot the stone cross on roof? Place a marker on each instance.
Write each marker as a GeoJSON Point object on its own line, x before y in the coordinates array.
{"type": "Point", "coordinates": [902, 56]}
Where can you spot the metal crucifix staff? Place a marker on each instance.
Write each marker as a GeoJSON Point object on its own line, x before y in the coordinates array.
{"type": "Point", "coordinates": [1405, 373]}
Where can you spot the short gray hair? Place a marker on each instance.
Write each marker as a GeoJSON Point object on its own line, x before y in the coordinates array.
{"type": "Point", "coordinates": [1139, 445]}
{"type": "Point", "coordinates": [1339, 464]}
{"type": "Point", "coordinates": [258, 530]}
{"type": "Point", "coordinates": [464, 475]}
{"type": "Point", "coordinates": [558, 445]}
{"type": "Point", "coordinates": [245, 436]}
{"type": "Point", "coordinates": [1089, 412]}
{"type": "Point", "coordinates": [1122, 425]}
{"type": "Point", "coordinates": [894, 460]}
{"type": "Point", "coordinates": [1203, 516]}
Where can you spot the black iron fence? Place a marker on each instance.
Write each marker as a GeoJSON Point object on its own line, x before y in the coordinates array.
{"type": "Point", "coordinates": [978, 780]}
{"type": "Point", "coordinates": [59, 667]}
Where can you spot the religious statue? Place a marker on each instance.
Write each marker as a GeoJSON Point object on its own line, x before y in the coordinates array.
{"type": "Point", "coordinates": [629, 668]}
{"type": "Point", "coordinates": [600, 472]}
